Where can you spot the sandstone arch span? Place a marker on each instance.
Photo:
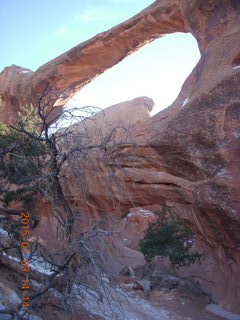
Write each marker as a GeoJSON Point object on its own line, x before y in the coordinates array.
{"type": "Point", "coordinates": [75, 68]}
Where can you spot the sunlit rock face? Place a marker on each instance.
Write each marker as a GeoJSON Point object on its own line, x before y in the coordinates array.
{"type": "Point", "coordinates": [187, 156]}
{"type": "Point", "coordinates": [120, 117]}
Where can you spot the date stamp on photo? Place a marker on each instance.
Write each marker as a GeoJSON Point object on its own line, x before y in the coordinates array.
{"type": "Point", "coordinates": [25, 262]}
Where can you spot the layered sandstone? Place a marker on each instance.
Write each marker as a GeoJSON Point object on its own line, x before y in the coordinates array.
{"type": "Point", "coordinates": [185, 157]}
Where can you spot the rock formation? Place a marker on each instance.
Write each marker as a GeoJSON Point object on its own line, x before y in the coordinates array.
{"type": "Point", "coordinates": [75, 68]}
{"type": "Point", "coordinates": [120, 117]}
{"type": "Point", "coordinates": [185, 157]}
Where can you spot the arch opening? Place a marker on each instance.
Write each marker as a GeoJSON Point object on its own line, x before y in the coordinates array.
{"type": "Point", "coordinates": [156, 70]}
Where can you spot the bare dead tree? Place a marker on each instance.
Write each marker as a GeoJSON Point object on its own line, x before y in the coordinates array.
{"type": "Point", "coordinates": [77, 262]}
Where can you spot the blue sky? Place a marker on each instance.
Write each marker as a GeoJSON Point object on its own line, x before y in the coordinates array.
{"type": "Point", "coordinates": [34, 32]}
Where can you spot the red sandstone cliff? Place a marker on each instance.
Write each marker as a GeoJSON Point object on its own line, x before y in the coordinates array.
{"type": "Point", "coordinates": [187, 156]}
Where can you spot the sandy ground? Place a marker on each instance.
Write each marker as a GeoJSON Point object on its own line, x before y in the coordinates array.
{"type": "Point", "coordinates": [159, 306]}
{"type": "Point", "coordinates": [167, 306]}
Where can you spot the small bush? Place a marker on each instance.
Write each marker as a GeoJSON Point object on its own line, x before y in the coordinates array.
{"type": "Point", "coordinates": [21, 157]}
{"type": "Point", "coordinates": [171, 239]}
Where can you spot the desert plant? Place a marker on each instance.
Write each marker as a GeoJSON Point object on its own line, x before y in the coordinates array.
{"type": "Point", "coordinates": [33, 156]}
{"type": "Point", "coordinates": [171, 239]}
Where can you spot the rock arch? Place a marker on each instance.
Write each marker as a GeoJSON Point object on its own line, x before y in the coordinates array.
{"type": "Point", "coordinates": [190, 151]}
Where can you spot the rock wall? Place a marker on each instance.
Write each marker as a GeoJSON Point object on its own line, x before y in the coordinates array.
{"type": "Point", "coordinates": [187, 156]}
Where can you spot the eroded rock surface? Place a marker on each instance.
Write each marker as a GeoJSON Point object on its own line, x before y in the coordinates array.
{"type": "Point", "coordinates": [187, 156]}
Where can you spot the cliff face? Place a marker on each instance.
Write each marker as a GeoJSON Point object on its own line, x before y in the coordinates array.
{"type": "Point", "coordinates": [187, 156]}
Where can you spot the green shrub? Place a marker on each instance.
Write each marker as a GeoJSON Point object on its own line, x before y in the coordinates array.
{"type": "Point", "coordinates": [171, 239]}
{"type": "Point", "coordinates": [22, 157]}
